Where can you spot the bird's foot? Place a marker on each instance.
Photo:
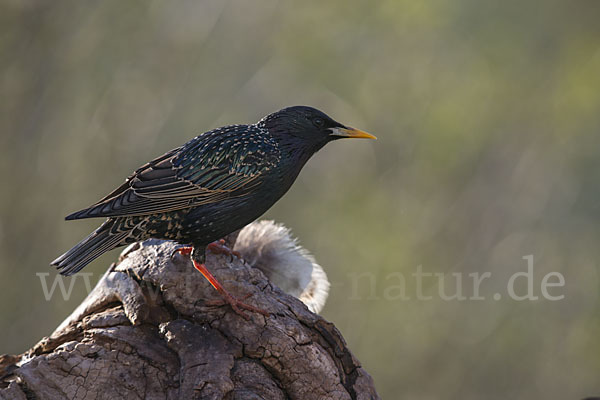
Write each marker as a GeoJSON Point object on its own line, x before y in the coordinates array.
{"type": "Point", "coordinates": [236, 304]}
{"type": "Point", "coordinates": [218, 247]}
{"type": "Point", "coordinates": [183, 250]}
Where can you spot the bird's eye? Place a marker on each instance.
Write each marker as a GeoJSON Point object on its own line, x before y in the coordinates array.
{"type": "Point", "coordinates": [319, 122]}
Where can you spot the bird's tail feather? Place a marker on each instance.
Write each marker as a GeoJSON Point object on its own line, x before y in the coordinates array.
{"type": "Point", "coordinates": [90, 248]}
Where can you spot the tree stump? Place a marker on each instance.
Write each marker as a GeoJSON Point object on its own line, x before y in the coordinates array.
{"type": "Point", "coordinates": [149, 330]}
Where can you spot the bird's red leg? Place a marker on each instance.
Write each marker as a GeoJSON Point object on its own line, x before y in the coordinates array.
{"type": "Point", "coordinates": [235, 303]}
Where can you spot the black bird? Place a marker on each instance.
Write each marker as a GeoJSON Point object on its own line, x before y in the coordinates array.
{"type": "Point", "coordinates": [211, 186]}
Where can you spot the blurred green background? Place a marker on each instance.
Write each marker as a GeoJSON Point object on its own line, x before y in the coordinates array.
{"type": "Point", "coordinates": [488, 118]}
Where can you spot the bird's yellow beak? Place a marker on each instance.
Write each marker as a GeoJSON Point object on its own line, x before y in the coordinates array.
{"type": "Point", "coordinates": [348, 132]}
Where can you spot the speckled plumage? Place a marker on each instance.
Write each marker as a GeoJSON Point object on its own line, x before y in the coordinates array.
{"type": "Point", "coordinates": [214, 184]}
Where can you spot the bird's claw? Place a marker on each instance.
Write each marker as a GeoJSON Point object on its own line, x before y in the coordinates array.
{"type": "Point", "coordinates": [236, 305]}
{"type": "Point", "coordinates": [183, 250]}
{"type": "Point", "coordinates": [219, 247]}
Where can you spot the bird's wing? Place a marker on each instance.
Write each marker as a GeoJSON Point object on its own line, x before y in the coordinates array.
{"type": "Point", "coordinates": [219, 164]}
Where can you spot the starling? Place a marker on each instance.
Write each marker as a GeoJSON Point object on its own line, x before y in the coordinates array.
{"type": "Point", "coordinates": [211, 186]}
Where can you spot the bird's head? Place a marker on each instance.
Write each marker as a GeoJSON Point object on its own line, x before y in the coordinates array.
{"type": "Point", "coordinates": [307, 125]}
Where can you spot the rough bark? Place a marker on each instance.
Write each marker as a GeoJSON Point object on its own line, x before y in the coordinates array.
{"type": "Point", "coordinates": [149, 331]}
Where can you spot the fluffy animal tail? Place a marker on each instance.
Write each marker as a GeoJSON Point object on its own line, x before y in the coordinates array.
{"type": "Point", "coordinates": [97, 243]}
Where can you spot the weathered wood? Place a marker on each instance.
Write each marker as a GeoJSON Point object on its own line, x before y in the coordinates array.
{"type": "Point", "coordinates": [146, 331]}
